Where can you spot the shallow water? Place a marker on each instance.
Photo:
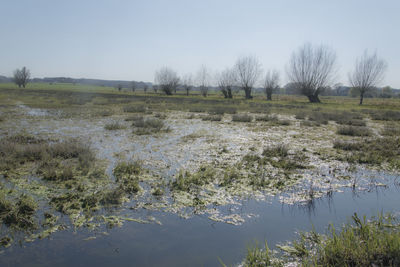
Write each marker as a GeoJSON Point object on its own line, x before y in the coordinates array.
{"type": "Point", "coordinates": [198, 241]}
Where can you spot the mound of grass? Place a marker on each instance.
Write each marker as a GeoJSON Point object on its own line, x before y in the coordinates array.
{"type": "Point", "coordinates": [212, 118]}
{"type": "Point", "coordinates": [301, 115]}
{"type": "Point", "coordinates": [242, 118]}
{"type": "Point", "coordinates": [148, 126]}
{"type": "Point", "coordinates": [221, 110]}
{"type": "Point", "coordinates": [112, 126]}
{"type": "Point", "coordinates": [271, 118]}
{"type": "Point", "coordinates": [346, 145]}
{"type": "Point", "coordinates": [127, 175]}
{"type": "Point", "coordinates": [134, 109]}
{"type": "Point", "coordinates": [18, 213]}
{"type": "Point", "coordinates": [385, 115]}
{"type": "Point", "coordinates": [309, 123]}
{"type": "Point", "coordinates": [318, 117]}
{"type": "Point", "coordinates": [18, 150]}
{"type": "Point", "coordinates": [280, 150]}
{"type": "Point", "coordinates": [185, 181]}
{"type": "Point", "coordinates": [389, 130]}
{"type": "Point", "coordinates": [372, 151]}
{"type": "Point", "coordinates": [104, 113]}
{"type": "Point", "coordinates": [351, 122]}
{"type": "Point", "coordinates": [354, 131]}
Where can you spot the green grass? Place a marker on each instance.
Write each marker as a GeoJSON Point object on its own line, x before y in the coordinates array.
{"type": "Point", "coordinates": [362, 242]}
{"type": "Point", "coordinates": [371, 151]}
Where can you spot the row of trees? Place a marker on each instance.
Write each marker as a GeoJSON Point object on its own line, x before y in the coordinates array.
{"type": "Point", "coordinates": [310, 70]}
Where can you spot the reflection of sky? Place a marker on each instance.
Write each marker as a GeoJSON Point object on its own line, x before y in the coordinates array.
{"type": "Point", "coordinates": [131, 39]}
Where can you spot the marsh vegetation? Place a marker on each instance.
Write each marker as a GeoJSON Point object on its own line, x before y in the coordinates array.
{"type": "Point", "coordinates": [93, 160]}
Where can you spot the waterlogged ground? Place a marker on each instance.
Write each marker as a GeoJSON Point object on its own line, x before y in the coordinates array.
{"type": "Point", "coordinates": [237, 190]}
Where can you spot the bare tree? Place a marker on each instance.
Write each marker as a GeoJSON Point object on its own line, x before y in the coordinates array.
{"type": "Point", "coordinates": [203, 80]}
{"type": "Point", "coordinates": [247, 70]}
{"type": "Point", "coordinates": [167, 80]}
{"type": "Point", "coordinates": [271, 83]}
{"type": "Point", "coordinates": [21, 77]}
{"type": "Point", "coordinates": [226, 81]}
{"type": "Point", "coordinates": [311, 68]}
{"type": "Point", "coordinates": [368, 73]}
{"type": "Point", "coordinates": [187, 83]}
{"type": "Point", "coordinates": [155, 88]}
{"type": "Point", "coordinates": [145, 87]}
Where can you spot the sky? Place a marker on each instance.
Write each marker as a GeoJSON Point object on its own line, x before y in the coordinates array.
{"type": "Point", "coordinates": [130, 40]}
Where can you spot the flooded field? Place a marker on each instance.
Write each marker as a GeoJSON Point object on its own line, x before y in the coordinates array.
{"type": "Point", "coordinates": [95, 180]}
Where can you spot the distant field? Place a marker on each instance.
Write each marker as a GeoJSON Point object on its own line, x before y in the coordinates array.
{"type": "Point", "coordinates": [280, 101]}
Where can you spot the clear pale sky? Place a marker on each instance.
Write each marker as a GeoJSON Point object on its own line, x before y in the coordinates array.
{"type": "Point", "coordinates": [130, 40]}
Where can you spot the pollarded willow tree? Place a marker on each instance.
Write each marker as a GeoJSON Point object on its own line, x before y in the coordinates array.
{"type": "Point", "coordinates": [203, 80]}
{"type": "Point", "coordinates": [247, 70]}
{"type": "Point", "coordinates": [21, 77]}
{"type": "Point", "coordinates": [368, 73]}
{"type": "Point", "coordinates": [167, 80]}
{"type": "Point", "coordinates": [187, 83]}
{"type": "Point", "coordinates": [311, 69]}
{"type": "Point", "coordinates": [226, 81]}
{"type": "Point", "coordinates": [271, 83]}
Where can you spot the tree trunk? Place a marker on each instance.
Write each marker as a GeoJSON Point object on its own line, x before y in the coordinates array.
{"type": "Point", "coordinates": [247, 92]}
{"type": "Point", "coordinates": [269, 96]}
{"type": "Point", "coordinates": [225, 93]}
{"type": "Point", "coordinates": [361, 98]}
{"type": "Point", "coordinates": [314, 98]}
{"type": "Point", "coordinates": [187, 92]}
{"type": "Point", "coordinates": [229, 93]}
